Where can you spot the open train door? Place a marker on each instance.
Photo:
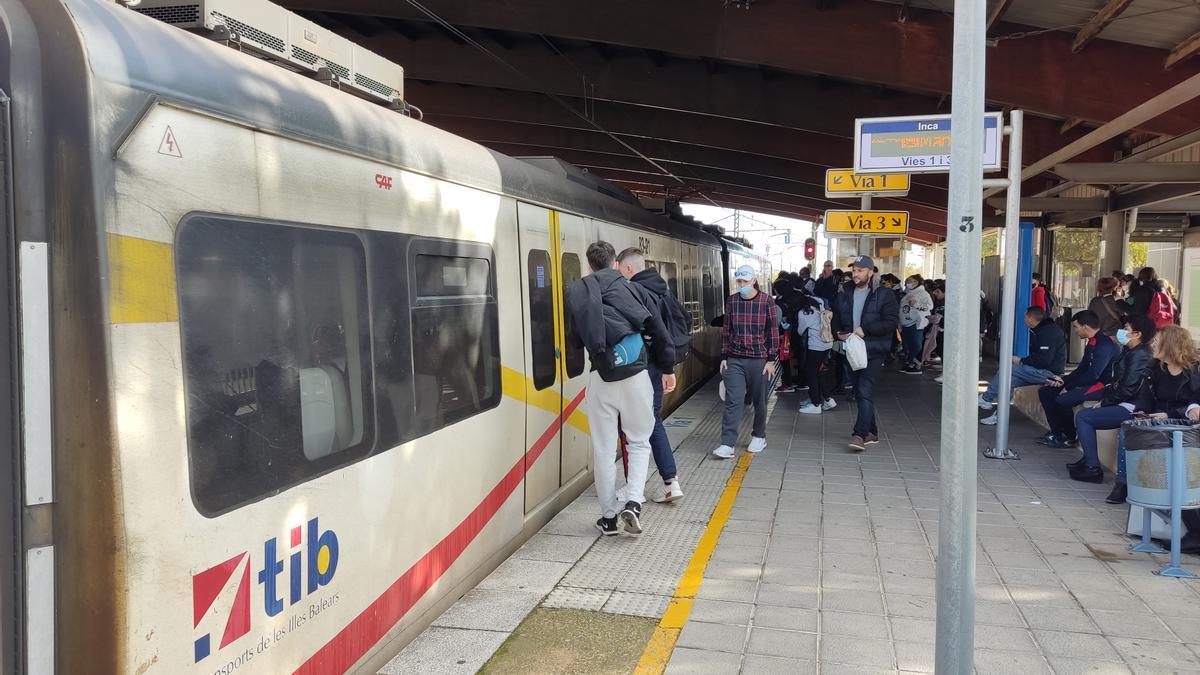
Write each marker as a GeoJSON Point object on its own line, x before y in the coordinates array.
{"type": "Point", "coordinates": [548, 360]}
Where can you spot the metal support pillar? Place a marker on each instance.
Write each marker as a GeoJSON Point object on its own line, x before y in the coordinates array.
{"type": "Point", "coordinates": [1024, 289]}
{"type": "Point", "coordinates": [1116, 240]}
{"type": "Point", "coordinates": [864, 243]}
{"type": "Point", "coordinates": [1008, 309]}
{"type": "Point", "coordinates": [960, 436]}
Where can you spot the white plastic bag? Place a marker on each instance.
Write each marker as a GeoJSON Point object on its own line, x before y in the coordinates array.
{"type": "Point", "coordinates": [856, 352]}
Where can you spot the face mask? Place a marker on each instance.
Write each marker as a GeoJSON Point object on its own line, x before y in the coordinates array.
{"type": "Point", "coordinates": [746, 291]}
{"type": "Point", "coordinates": [1122, 336]}
{"type": "Point", "coordinates": [909, 286]}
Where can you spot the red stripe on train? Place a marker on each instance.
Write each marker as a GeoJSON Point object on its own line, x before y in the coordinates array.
{"type": "Point", "coordinates": [377, 619]}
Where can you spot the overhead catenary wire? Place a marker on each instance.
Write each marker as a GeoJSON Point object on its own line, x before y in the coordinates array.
{"type": "Point", "coordinates": [544, 91]}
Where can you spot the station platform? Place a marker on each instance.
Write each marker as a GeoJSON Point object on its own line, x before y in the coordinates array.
{"type": "Point", "coordinates": [810, 557]}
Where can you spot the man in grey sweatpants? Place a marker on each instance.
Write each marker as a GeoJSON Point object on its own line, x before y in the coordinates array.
{"type": "Point", "coordinates": [609, 320]}
{"type": "Point", "coordinates": [749, 346]}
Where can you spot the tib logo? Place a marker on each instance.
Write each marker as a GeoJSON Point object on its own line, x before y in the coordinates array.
{"type": "Point", "coordinates": [321, 564]}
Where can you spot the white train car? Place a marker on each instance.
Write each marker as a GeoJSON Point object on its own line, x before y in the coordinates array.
{"type": "Point", "coordinates": [288, 371]}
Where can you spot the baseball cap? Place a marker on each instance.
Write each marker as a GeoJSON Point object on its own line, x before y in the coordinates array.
{"type": "Point", "coordinates": [744, 273]}
{"type": "Point", "coordinates": [863, 261]}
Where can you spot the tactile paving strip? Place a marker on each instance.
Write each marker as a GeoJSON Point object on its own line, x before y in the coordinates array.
{"type": "Point", "coordinates": [639, 574]}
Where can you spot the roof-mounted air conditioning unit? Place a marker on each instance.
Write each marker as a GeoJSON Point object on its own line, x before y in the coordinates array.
{"type": "Point", "coordinates": [273, 32]}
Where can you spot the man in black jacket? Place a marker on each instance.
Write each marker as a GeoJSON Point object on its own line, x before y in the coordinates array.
{"type": "Point", "coordinates": [1047, 357]}
{"type": "Point", "coordinates": [656, 295]}
{"type": "Point", "coordinates": [870, 311]}
{"type": "Point", "coordinates": [608, 319]}
{"type": "Point", "coordinates": [1086, 383]}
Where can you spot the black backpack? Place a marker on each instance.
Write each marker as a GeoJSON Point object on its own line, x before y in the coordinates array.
{"type": "Point", "coordinates": [679, 325]}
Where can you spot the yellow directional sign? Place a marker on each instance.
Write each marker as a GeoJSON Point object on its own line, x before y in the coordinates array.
{"type": "Point", "coordinates": [866, 223]}
{"type": "Point", "coordinates": [846, 183]}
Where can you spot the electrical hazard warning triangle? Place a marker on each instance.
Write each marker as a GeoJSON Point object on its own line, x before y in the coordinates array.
{"type": "Point", "coordinates": [169, 146]}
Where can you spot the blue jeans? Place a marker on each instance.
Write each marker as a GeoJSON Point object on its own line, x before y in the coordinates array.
{"type": "Point", "coordinates": [660, 445]}
{"type": "Point", "coordinates": [914, 342]}
{"type": "Point", "coordinates": [1088, 421]}
{"type": "Point", "coordinates": [1022, 376]}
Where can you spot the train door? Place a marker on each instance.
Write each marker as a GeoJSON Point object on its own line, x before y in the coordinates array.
{"type": "Point", "coordinates": [690, 297]}
{"type": "Point", "coordinates": [542, 292]}
{"type": "Point", "coordinates": [576, 443]}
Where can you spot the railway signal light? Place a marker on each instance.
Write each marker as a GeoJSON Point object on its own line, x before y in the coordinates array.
{"type": "Point", "coordinates": [810, 248]}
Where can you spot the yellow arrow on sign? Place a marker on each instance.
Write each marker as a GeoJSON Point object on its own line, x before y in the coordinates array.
{"type": "Point", "coordinates": [846, 183]}
{"type": "Point", "coordinates": [866, 223]}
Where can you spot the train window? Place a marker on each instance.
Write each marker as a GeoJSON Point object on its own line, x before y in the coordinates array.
{"type": "Point", "coordinates": [571, 272]}
{"type": "Point", "coordinates": [669, 272]}
{"type": "Point", "coordinates": [541, 319]}
{"type": "Point", "coordinates": [276, 339]}
{"type": "Point", "coordinates": [710, 299]}
{"type": "Point", "coordinates": [455, 335]}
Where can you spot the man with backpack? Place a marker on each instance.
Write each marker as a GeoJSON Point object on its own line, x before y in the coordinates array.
{"type": "Point", "coordinates": [657, 297]}
{"type": "Point", "coordinates": [608, 319]}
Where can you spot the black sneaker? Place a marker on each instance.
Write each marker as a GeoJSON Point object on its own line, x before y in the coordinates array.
{"type": "Point", "coordinates": [1047, 439]}
{"type": "Point", "coordinates": [607, 526]}
{"type": "Point", "coordinates": [1062, 443]}
{"type": "Point", "coordinates": [631, 516]}
{"type": "Point", "coordinates": [911, 370]}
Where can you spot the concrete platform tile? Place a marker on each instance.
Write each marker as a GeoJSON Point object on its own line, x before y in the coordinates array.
{"type": "Point", "coordinates": [845, 623]}
{"type": "Point", "coordinates": [1130, 624]}
{"type": "Point", "coordinates": [686, 661]}
{"type": "Point", "coordinates": [484, 609]}
{"type": "Point", "coordinates": [1156, 654]}
{"type": "Point", "coordinates": [637, 604]}
{"type": "Point", "coordinates": [713, 637]}
{"type": "Point", "coordinates": [554, 548]}
{"type": "Point", "coordinates": [1187, 630]}
{"type": "Point", "coordinates": [914, 657]}
{"type": "Point", "coordinates": [990, 661]}
{"type": "Point", "coordinates": [865, 601]}
{"type": "Point", "coordinates": [1067, 666]}
{"type": "Point", "coordinates": [755, 664]}
{"type": "Point", "coordinates": [791, 576]}
{"type": "Point", "coordinates": [787, 596]}
{"type": "Point", "coordinates": [717, 569]}
{"type": "Point", "coordinates": [1004, 638]}
{"type": "Point", "coordinates": [997, 614]}
{"type": "Point", "coordinates": [451, 651]}
{"type": "Point", "coordinates": [526, 575]}
{"type": "Point", "coordinates": [727, 589]}
{"type": "Point", "coordinates": [913, 606]}
{"type": "Point", "coordinates": [786, 618]}
{"type": "Point", "coordinates": [720, 611]}
{"type": "Point", "coordinates": [788, 644]}
{"type": "Point", "coordinates": [852, 581]}
{"type": "Point", "coordinates": [923, 631]}
{"type": "Point", "coordinates": [847, 669]}
{"type": "Point", "coordinates": [1057, 618]}
{"type": "Point", "coordinates": [899, 583]}
{"type": "Point", "coordinates": [1075, 645]}
{"type": "Point", "coordinates": [856, 651]}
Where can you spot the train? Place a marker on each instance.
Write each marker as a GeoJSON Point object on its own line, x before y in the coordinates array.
{"type": "Point", "coordinates": [288, 370]}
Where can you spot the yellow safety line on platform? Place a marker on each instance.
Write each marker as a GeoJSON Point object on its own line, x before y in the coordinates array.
{"type": "Point", "coordinates": [662, 643]}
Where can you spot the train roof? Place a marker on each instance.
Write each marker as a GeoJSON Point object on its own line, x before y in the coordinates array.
{"type": "Point", "coordinates": [128, 51]}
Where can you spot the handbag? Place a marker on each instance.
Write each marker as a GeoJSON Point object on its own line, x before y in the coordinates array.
{"type": "Point", "coordinates": [785, 348]}
{"type": "Point", "coordinates": [856, 352]}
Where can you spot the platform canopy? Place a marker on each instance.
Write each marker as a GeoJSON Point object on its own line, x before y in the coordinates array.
{"type": "Point", "coordinates": [745, 103]}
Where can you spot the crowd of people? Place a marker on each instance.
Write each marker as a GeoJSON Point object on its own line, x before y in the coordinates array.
{"type": "Point", "coordinates": [1137, 363]}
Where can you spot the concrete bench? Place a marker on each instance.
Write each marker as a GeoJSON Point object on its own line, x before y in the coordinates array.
{"type": "Point", "coordinates": [1027, 402]}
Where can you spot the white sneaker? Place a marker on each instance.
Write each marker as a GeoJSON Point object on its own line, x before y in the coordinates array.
{"type": "Point", "coordinates": [756, 444]}
{"type": "Point", "coordinates": [724, 452]}
{"type": "Point", "coordinates": [985, 404]}
{"type": "Point", "coordinates": [990, 421]}
{"type": "Point", "coordinates": [809, 409]}
{"type": "Point", "coordinates": [671, 492]}
{"type": "Point", "coordinates": [938, 379]}
{"type": "Point", "coordinates": [829, 404]}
